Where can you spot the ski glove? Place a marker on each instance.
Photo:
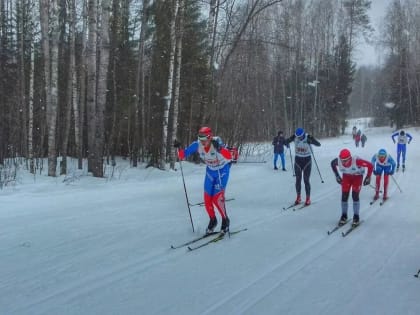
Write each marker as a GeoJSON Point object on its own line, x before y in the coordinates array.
{"type": "Point", "coordinates": [216, 144]}
{"type": "Point", "coordinates": [338, 179]}
{"type": "Point", "coordinates": [366, 181]}
{"type": "Point", "coordinates": [177, 144]}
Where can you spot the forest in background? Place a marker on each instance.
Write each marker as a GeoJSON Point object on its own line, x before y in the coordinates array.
{"type": "Point", "coordinates": [96, 79]}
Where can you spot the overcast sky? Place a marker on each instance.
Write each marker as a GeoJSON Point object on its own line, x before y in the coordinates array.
{"type": "Point", "coordinates": [367, 54]}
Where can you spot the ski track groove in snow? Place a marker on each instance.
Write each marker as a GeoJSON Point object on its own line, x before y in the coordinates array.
{"type": "Point", "coordinates": [239, 302]}
{"type": "Point", "coordinates": [100, 280]}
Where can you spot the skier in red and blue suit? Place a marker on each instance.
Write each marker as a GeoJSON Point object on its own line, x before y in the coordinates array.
{"type": "Point", "coordinates": [382, 163]}
{"type": "Point", "coordinates": [218, 160]}
{"type": "Point", "coordinates": [403, 139]}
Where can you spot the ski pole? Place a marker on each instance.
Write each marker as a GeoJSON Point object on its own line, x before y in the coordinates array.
{"type": "Point", "coordinates": [224, 201]}
{"type": "Point", "coordinates": [186, 195]}
{"type": "Point", "coordinates": [374, 188]}
{"type": "Point", "coordinates": [313, 155]}
{"type": "Point", "coordinates": [395, 181]}
{"type": "Point", "coordinates": [291, 162]}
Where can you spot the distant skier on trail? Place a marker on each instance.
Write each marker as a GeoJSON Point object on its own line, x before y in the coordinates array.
{"type": "Point", "coordinates": [383, 163]}
{"type": "Point", "coordinates": [218, 160]}
{"type": "Point", "coordinates": [363, 140]}
{"type": "Point", "coordinates": [352, 169]}
{"type": "Point", "coordinates": [303, 162]}
{"type": "Point", "coordinates": [354, 132]}
{"type": "Point", "coordinates": [402, 140]}
{"type": "Point", "coordinates": [357, 138]}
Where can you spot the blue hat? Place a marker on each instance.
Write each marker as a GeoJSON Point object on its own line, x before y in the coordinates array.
{"type": "Point", "coordinates": [382, 152]}
{"type": "Point", "coordinates": [299, 132]}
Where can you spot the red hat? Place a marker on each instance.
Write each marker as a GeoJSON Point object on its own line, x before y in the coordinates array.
{"type": "Point", "coordinates": [345, 154]}
{"type": "Point", "coordinates": [205, 132]}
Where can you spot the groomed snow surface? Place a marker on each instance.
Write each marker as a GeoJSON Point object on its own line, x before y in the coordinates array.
{"type": "Point", "coordinates": [102, 246]}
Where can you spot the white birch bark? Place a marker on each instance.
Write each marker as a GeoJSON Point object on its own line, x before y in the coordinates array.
{"type": "Point", "coordinates": [168, 97]}
{"type": "Point", "coordinates": [177, 81]}
{"type": "Point", "coordinates": [51, 74]}
{"type": "Point", "coordinates": [31, 114]}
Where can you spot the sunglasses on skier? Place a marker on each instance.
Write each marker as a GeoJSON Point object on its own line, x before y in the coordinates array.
{"type": "Point", "coordinates": [203, 137]}
{"type": "Point", "coordinates": [346, 160]}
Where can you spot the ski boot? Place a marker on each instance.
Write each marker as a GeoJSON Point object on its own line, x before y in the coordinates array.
{"type": "Point", "coordinates": [212, 225]}
{"type": "Point", "coordinates": [343, 220]}
{"type": "Point", "coordinates": [225, 225]}
{"type": "Point", "coordinates": [298, 200]}
{"type": "Point", "coordinates": [308, 201]}
{"type": "Point", "coordinates": [356, 220]}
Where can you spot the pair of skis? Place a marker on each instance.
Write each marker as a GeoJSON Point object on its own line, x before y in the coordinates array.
{"type": "Point", "coordinates": [380, 203]}
{"type": "Point", "coordinates": [346, 232]}
{"type": "Point", "coordinates": [202, 202]}
{"type": "Point", "coordinates": [296, 207]}
{"type": "Point", "coordinates": [210, 238]}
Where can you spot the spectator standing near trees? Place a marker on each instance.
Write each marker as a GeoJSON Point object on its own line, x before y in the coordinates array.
{"type": "Point", "coordinates": [279, 142]}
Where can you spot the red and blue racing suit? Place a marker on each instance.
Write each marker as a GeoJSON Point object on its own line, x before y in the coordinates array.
{"type": "Point", "coordinates": [217, 174]}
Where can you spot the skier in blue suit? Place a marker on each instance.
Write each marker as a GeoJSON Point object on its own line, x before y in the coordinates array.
{"type": "Point", "coordinates": [402, 140]}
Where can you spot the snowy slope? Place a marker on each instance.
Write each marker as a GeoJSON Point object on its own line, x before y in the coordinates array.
{"type": "Point", "coordinates": [103, 247]}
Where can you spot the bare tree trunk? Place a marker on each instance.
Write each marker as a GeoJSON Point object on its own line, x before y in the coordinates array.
{"type": "Point", "coordinates": [177, 82]}
{"type": "Point", "coordinates": [71, 90]}
{"type": "Point", "coordinates": [22, 83]}
{"type": "Point", "coordinates": [139, 127]}
{"type": "Point", "coordinates": [52, 113]}
{"type": "Point", "coordinates": [51, 75]}
{"type": "Point", "coordinates": [31, 114]}
{"type": "Point", "coordinates": [102, 87]}
{"type": "Point", "coordinates": [83, 83]}
{"type": "Point", "coordinates": [114, 128]}
{"type": "Point", "coordinates": [91, 83]}
{"type": "Point", "coordinates": [168, 97]}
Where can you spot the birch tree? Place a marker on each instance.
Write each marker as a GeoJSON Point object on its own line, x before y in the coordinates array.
{"type": "Point", "coordinates": [91, 85]}
{"type": "Point", "coordinates": [102, 86]}
{"type": "Point", "coordinates": [49, 16]}
{"type": "Point", "coordinates": [71, 88]}
{"type": "Point", "coordinates": [180, 33]}
{"type": "Point", "coordinates": [140, 125]}
{"type": "Point", "coordinates": [79, 123]}
{"type": "Point", "coordinates": [168, 96]}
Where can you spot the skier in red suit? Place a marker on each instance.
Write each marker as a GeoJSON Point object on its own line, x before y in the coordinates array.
{"type": "Point", "coordinates": [352, 169]}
